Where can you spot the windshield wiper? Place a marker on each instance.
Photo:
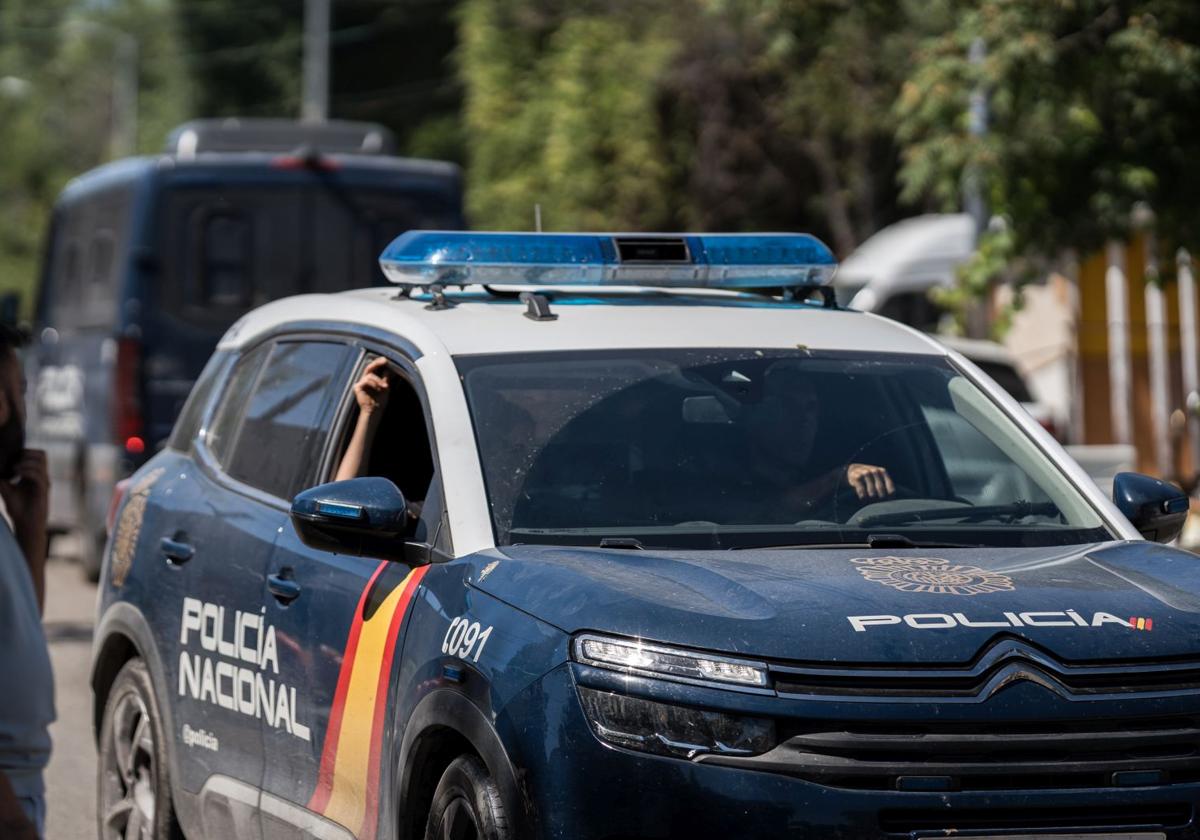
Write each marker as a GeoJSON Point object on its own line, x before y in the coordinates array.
{"type": "Point", "coordinates": [621, 542]}
{"type": "Point", "coordinates": [873, 541]}
{"type": "Point", "coordinates": [1011, 511]}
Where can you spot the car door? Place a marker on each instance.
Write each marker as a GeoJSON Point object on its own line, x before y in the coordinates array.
{"type": "Point", "coordinates": [214, 547]}
{"type": "Point", "coordinates": [349, 622]}
{"type": "Point", "coordinates": [229, 681]}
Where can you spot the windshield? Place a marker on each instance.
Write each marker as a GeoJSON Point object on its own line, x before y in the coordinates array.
{"type": "Point", "coordinates": [744, 448]}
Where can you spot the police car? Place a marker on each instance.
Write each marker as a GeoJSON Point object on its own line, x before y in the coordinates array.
{"type": "Point", "coordinates": [652, 539]}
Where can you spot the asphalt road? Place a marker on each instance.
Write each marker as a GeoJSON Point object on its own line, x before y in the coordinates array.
{"type": "Point", "coordinates": [71, 777]}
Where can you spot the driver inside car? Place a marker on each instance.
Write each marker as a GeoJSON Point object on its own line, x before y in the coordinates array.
{"type": "Point", "coordinates": [783, 436]}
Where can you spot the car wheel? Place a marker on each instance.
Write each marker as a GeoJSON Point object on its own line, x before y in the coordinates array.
{"type": "Point", "coordinates": [133, 787]}
{"type": "Point", "coordinates": [466, 804]}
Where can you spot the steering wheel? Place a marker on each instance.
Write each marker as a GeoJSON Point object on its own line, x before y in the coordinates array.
{"type": "Point", "coordinates": [848, 508]}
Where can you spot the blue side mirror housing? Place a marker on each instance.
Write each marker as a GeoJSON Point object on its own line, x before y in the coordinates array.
{"type": "Point", "coordinates": [1157, 509]}
{"type": "Point", "coordinates": [367, 517]}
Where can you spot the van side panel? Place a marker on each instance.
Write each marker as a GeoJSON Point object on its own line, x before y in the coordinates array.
{"type": "Point", "coordinates": [70, 364]}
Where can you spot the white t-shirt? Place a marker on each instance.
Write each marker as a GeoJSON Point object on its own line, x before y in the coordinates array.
{"type": "Point", "coordinates": [27, 692]}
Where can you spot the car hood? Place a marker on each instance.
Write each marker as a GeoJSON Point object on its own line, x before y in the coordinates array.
{"type": "Point", "coordinates": [1121, 600]}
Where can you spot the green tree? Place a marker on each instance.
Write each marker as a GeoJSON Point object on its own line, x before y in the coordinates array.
{"type": "Point", "coordinates": [714, 114]}
{"type": "Point", "coordinates": [561, 110]}
{"type": "Point", "coordinates": [57, 63]}
{"type": "Point", "coordinates": [1093, 109]}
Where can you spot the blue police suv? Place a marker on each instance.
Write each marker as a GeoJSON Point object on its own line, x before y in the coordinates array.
{"type": "Point", "coordinates": [579, 536]}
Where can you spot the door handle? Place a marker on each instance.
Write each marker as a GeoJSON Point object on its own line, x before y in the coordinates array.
{"type": "Point", "coordinates": [283, 587]}
{"type": "Point", "coordinates": [177, 550]}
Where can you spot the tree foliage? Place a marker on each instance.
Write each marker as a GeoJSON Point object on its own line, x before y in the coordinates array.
{"type": "Point", "coordinates": [716, 114]}
{"type": "Point", "coordinates": [58, 64]}
{"type": "Point", "coordinates": [1092, 107]}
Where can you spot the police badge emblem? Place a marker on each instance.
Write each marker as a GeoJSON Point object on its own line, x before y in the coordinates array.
{"type": "Point", "coordinates": [129, 526]}
{"type": "Point", "coordinates": [931, 575]}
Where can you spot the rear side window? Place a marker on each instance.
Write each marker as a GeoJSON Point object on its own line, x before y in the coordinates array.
{"type": "Point", "coordinates": [286, 418]}
{"type": "Point", "coordinates": [188, 424]}
{"type": "Point", "coordinates": [222, 432]}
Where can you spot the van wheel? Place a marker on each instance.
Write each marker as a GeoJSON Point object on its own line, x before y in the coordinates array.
{"type": "Point", "coordinates": [133, 786]}
{"type": "Point", "coordinates": [466, 804]}
{"type": "Point", "coordinates": [91, 552]}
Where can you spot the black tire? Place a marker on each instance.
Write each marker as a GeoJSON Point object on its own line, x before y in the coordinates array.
{"type": "Point", "coordinates": [133, 785]}
{"type": "Point", "coordinates": [91, 552]}
{"type": "Point", "coordinates": [466, 804]}
{"type": "Point", "coordinates": [89, 538]}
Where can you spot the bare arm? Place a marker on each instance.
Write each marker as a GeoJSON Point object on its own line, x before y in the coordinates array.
{"type": "Point", "coordinates": [354, 460]}
{"type": "Point", "coordinates": [371, 393]}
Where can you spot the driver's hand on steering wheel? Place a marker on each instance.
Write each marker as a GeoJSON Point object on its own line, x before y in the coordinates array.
{"type": "Point", "coordinates": [870, 482]}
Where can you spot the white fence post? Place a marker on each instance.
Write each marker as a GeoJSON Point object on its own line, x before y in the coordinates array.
{"type": "Point", "coordinates": [1187, 335]}
{"type": "Point", "coordinates": [1119, 385]}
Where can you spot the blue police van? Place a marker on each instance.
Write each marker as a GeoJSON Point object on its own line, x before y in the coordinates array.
{"type": "Point", "coordinates": [149, 260]}
{"type": "Point", "coordinates": [583, 536]}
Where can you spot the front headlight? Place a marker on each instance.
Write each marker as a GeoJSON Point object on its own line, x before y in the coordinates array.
{"type": "Point", "coordinates": [664, 729]}
{"type": "Point", "coordinates": [633, 656]}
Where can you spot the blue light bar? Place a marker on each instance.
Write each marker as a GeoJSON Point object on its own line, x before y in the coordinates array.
{"type": "Point", "coordinates": [710, 260]}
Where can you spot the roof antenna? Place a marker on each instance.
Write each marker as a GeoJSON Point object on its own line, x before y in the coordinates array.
{"type": "Point", "coordinates": [537, 217]}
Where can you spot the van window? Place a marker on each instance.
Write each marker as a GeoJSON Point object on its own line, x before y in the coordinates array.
{"type": "Point", "coordinates": [87, 253]}
{"type": "Point", "coordinates": [226, 269]}
{"type": "Point", "coordinates": [287, 417]}
{"type": "Point", "coordinates": [227, 249]}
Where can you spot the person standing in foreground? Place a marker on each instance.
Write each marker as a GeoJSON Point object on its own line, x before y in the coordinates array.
{"type": "Point", "coordinates": [27, 704]}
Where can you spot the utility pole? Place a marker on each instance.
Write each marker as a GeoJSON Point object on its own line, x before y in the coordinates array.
{"type": "Point", "coordinates": [125, 97]}
{"type": "Point", "coordinates": [315, 107]}
{"type": "Point", "coordinates": [124, 136]}
{"type": "Point", "coordinates": [977, 123]}
{"type": "Point", "coordinates": [974, 202]}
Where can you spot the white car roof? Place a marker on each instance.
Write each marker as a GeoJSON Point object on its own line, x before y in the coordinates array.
{"type": "Point", "coordinates": [483, 323]}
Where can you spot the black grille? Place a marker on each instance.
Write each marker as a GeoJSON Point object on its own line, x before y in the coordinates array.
{"type": "Point", "coordinates": [995, 756]}
{"type": "Point", "coordinates": [943, 820]}
{"type": "Point", "coordinates": [1001, 663]}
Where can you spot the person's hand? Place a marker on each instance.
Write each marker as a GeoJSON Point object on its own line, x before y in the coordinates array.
{"type": "Point", "coordinates": [14, 825]}
{"type": "Point", "coordinates": [371, 389]}
{"type": "Point", "coordinates": [27, 498]}
{"type": "Point", "coordinates": [870, 482]}
{"type": "Point", "coordinates": [18, 827]}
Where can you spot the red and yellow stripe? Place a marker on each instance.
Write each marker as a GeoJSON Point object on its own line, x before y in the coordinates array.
{"type": "Point", "coordinates": [348, 781]}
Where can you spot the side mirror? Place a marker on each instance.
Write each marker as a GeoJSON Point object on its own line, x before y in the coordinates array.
{"type": "Point", "coordinates": [1157, 509]}
{"type": "Point", "coordinates": [367, 517]}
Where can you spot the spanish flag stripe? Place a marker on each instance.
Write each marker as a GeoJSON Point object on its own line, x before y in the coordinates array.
{"type": "Point", "coordinates": [347, 792]}
{"type": "Point", "coordinates": [320, 797]}
{"type": "Point", "coordinates": [374, 765]}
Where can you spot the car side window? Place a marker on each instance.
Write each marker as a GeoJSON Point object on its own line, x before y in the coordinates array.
{"type": "Point", "coordinates": [188, 424]}
{"type": "Point", "coordinates": [223, 429]}
{"type": "Point", "coordinates": [287, 417]}
{"type": "Point", "coordinates": [396, 446]}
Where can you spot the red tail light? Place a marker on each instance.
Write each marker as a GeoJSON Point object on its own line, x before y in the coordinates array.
{"type": "Point", "coordinates": [114, 504]}
{"type": "Point", "coordinates": [128, 424]}
{"type": "Point", "coordinates": [314, 162]}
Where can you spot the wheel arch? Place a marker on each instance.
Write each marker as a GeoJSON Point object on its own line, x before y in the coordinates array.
{"type": "Point", "coordinates": [444, 725]}
{"type": "Point", "coordinates": [124, 634]}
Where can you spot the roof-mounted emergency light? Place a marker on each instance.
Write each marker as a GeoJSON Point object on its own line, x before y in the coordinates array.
{"type": "Point", "coordinates": [710, 260]}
